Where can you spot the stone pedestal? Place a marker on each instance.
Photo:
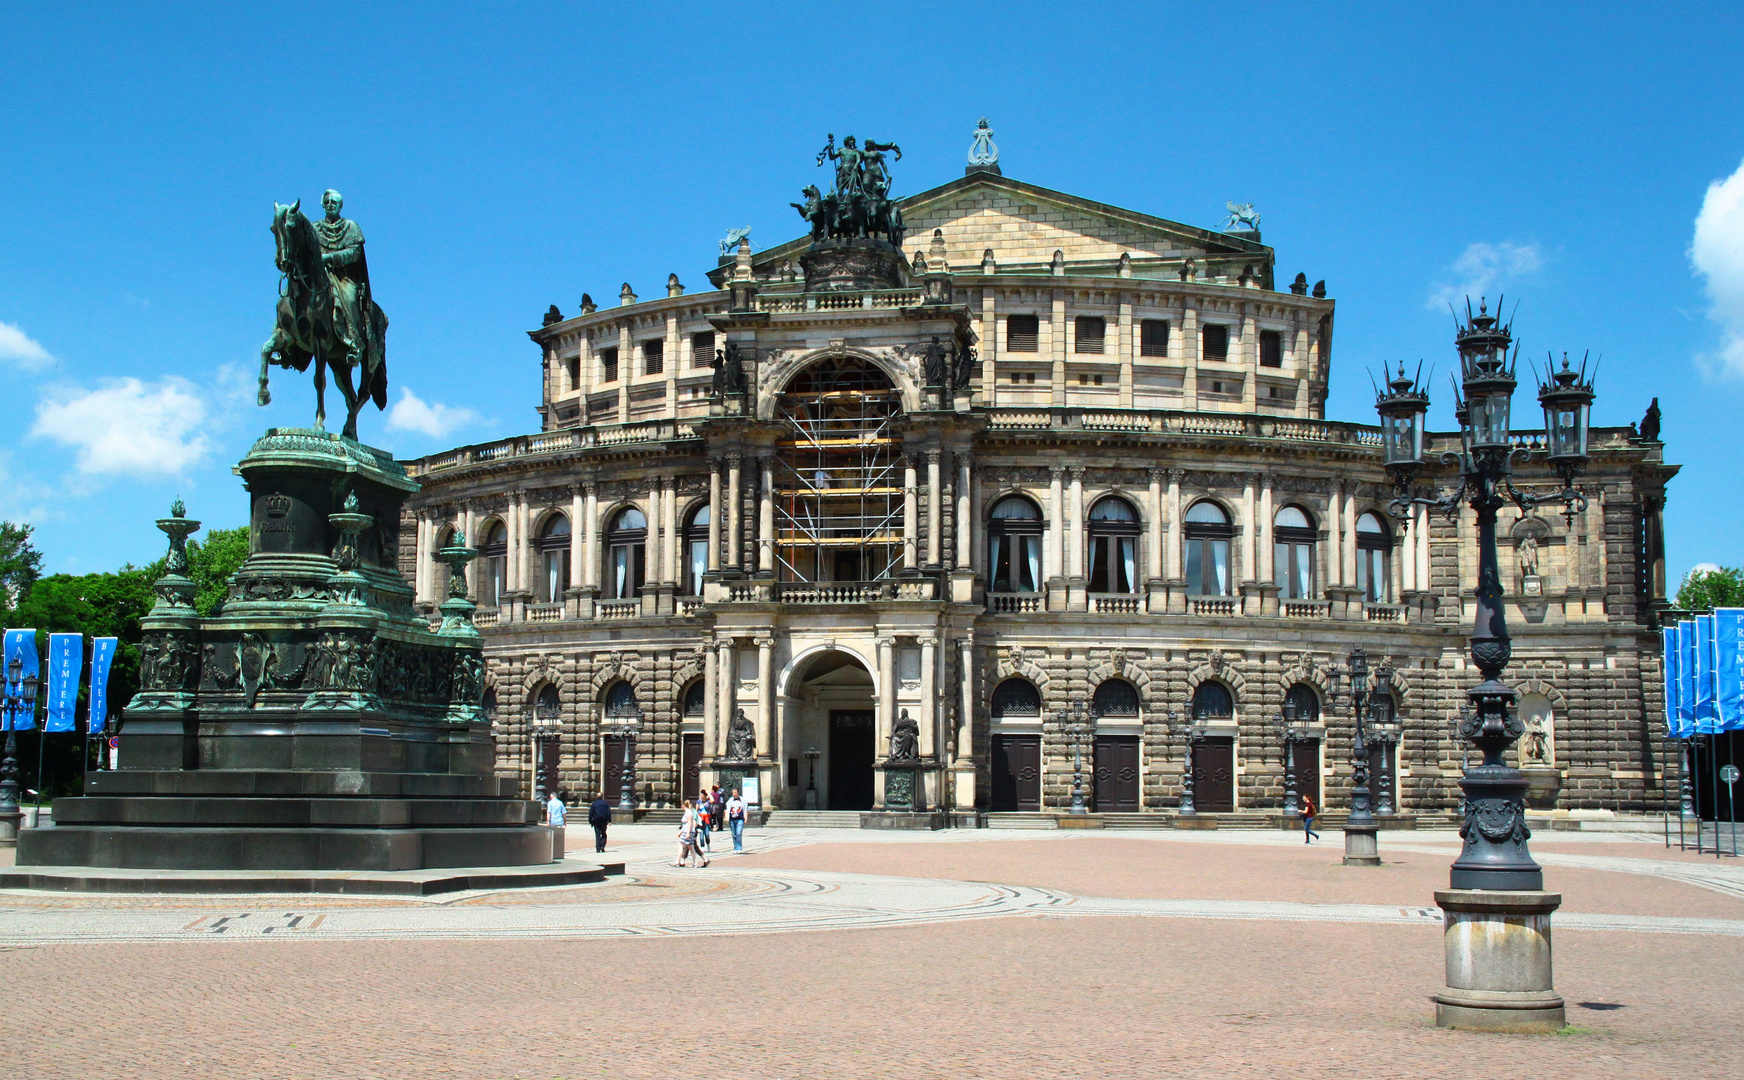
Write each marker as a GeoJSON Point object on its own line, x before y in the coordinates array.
{"type": "Point", "coordinates": [1542, 786]}
{"type": "Point", "coordinates": [1498, 962]}
{"type": "Point", "coordinates": [1361, 848]}
{"type": "Point", "coordinates": [316, 723]}
{"type": "Point", "coordinates": [9, 824]}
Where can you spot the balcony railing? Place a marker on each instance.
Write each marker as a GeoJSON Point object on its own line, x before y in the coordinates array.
{"type": "Point", "coordinates": [1306, 609]}
{"type": "Point", "coordinates": [1213, 605]}
{"type": "Point", "coordinates": [1014, 603]}
{"type": "Point", "coordinates": [486, 617]}
{"type": "Point", "coordinates": [1115, 603]}
{"type": "Point", "coordinates": [544, 612]}
{"type": "Point", "coordinates": [1180, 422]}
{"type": "Point", "coordinates": [618, 609]}
{"type": "Point", "coordinates": [829, 592]}
{"type": "Point", "coordinates": [1384, 612]}
{"type": "Point", "coordinates": [553, 442]}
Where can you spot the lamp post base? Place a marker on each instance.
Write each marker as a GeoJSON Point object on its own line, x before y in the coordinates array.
{"type": "Point", "coordinates": [9, 824]}
{"type": "Point", "coordinates": [1498, 957]}
{"type": "Point", "coordinates": [1361, 847]}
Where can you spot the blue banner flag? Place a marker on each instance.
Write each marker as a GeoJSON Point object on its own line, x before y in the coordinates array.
{"type": "Point", "coordinates": [20, 646]}
{"type": "Point", "coordinates": [1668, 667]}
{"type": "Point", "coordinates": [1685, 679]}
{"type": "Point", "coordinates": [1729, 667]}
{"type": "Point", "coordinates": [1707, 714]}
{"type": "Point", "coordinates": [66, 665]}
{"type": "Point", "coordinates": [102, 656]}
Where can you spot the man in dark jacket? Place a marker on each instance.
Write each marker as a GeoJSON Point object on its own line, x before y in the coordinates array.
{"type": "Point", "coordinates": [599, 815]}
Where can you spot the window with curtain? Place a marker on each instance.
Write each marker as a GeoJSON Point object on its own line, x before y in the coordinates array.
{"type": "Point", "coordinates": [1016, 697]}
{"type": "Point", "coordinates": [1207, 533]}
{"type": "Point", "coordinates": [1113, 528]}
{"type": "Point", "coordinates": [621, 701]}
{"type": "Point", "coordinates": [696, 535]}
{"type": "Point", "coordinates": [554, 552]}
{"type": "Point", "coordinates": [495, 553]}
{"type": "Point", "coordinates": [626, 544]}
{"type": "Point", "coordinates": [1374, 547]}
{"type": "Point", "coordinates": [1293, 538]}
{"type": "Point", "coordinates": [1014, 545]}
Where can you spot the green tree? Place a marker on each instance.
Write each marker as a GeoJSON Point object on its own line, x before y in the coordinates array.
{"type": "Point", "coordinates": [212, 561]}
{"type": "Point", "coordinates": [20, 562]}
{"type": "Point", "coordinates": [1704, 590]}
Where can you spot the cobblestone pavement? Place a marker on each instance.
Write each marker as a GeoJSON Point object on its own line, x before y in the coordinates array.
{"type": "Point", "coordinates": [952, 954]}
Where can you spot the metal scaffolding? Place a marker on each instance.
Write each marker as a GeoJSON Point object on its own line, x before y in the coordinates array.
{"type": "Point", "coordinates": [838, 485]}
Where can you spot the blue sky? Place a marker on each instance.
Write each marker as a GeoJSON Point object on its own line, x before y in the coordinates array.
{"type": "Point", "coordinates": [501, 159]}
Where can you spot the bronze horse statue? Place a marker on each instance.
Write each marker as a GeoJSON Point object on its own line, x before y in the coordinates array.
{"type": "Point", "coordinates": [312, 323]}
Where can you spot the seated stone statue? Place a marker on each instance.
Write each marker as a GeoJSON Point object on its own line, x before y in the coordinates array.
{"type": "Point", "coordinates": [905, 740]}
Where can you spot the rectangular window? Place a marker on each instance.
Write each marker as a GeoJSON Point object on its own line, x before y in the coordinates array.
{"type": "Point", "coordinates": [1153, 337]}
{"type": "Point", "coordinates": [653, 356]}
{"type": "Point", "coordinates": [1022, 332]}
{"type": "Point", "coordinates": [608, 365]}
{"type": "Point", "coordinates": [702, 349]}
{"type": "Point", "coordinates": [573, 366]}
{"type": "Point", "coordinates": [1216, 341]}
{"type": "Point", "coordinates": [1087, 334]}
{"type": "Point", "coordinates": [1271, 348]}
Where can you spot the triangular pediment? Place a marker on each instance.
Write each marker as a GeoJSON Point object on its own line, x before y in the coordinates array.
{"type": "Point", "coordinates": [1023, 225]}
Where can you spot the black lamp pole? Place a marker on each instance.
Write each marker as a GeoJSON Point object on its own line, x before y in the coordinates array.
{"type": "Point", "coordinates": [1495, 855]}
{"type": "Point", "coordinates": [20, 694]}
{"type": "Point", "coordinates": [1362, 814]}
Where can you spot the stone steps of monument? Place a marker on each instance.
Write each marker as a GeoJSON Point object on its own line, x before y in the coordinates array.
{"type": "Point", "coordinates": [812, 819]}
{"type": "Point", "coordinates": [275, 811]}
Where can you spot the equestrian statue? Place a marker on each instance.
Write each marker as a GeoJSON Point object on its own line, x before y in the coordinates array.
{"type": "Point", "coordinates": [325, 311]}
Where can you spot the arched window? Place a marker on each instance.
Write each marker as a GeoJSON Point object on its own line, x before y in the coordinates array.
{"type": "Point", "coordinates": [1113, 531]}
{"type": "Point", "coordinates": [495, 553]}
{"type": "Point", "coordinates": [1212, 702]}
{"type": "Point", "coordinates": [694, 695]}
{"type": "Point", "coordinates": [1207, 532]}
{"type": "Point", "coordinates": [1302, 703]}
{"type": "Point", "coordinates": [1115, 697]}
{"type": "Point", "coordinates": [1374, 548]}
{"type": "Point", "coordinates": [1293, 539]}
{"type": "Point", "coordinates": [1014, 545]}
{"type": "Point", "coordinates": [621, 701]}
{"type": "Point", "coordinates": [696, 536]}
{"type": "Point", "coordinates": [548, 709]}
{"type": "Point", "coordinates": [1016, 697]}
{"type": "Point", "coordinates": [626, 541]}
{"type": "Point", "coordinates": [554, 550]}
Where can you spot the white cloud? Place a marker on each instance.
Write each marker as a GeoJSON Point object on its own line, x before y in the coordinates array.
{"type": "Point", "coordinates": [21, 350]}
{"type": "Point", "coordinates": [1482, 268]}
{"type": "Point", "coordinates": [1717, 253]}
{"type": "Point", "coordinates": [127, 427]}
{"type": "Point", "coordinates": [413, 413]}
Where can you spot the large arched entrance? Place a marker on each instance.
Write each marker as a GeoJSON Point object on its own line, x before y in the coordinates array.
{"type": "Point", "coordinates": [831, 707]}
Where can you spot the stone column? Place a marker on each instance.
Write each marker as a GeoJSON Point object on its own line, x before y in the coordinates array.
{"type": "Point", "coordinates": [1249, 534]}
{"type": "Point", "coordinates": [1335, 536]}
{"type": "Point", "coordinates": [1174, 567]}
{"type": "Point", "coordinates": [886, 695]}
{"type": "Point", "coordinates": [1154, 527]}
{"type": "Point", "coordinates": [590, 560]}
{"type": "Point", "coordinates": [910, 513]}
{"type": "Point", "coordinates": [929, 705]}
{"type": "Point", "coordinates": [965, 516]}
{"type": "Point", "coordinates": [577, 540]}
{"type": "Point", "coordinates": [965, 763]}
{"type": "Point", "coordinates": [1057, 348]}
{"type": "Point", "coordinates": [727, 671]}
{"type": "Point", "coordinates": [421, 550]}
{"type": "Point", "coordinates": [711, 702]}
{"type": "Point", "coordinates": [1350, 534]}
{"type": "Point", "coordinates": [766, 699]}
{"type": "Point", "coordinates": [469, 525]}
{"type": "Point", "coordinates": [991, 340]}
{"type": "Point", "coordinates": [1407, 559]}
{"type": "Point", "coordinates": [1126, 350]}
{"type": "Point", "coordinates": [1422, 552]}
{"type": "Point", "coordinates": [734, 464]}
{"type": "Point", "coordinates": [766, 515]}
{"type": "Point", "coordinates": [935, 509]}
{"type": "Point", "coordinates": [1190, 356]}
{"type": "Point", "coordinates": [1075, 539]}
{"type": "Point", "coordinates": [714, 528]}
{"type": "Point", "coordinates": [672, 364]}
{"type": "Point", "coordinates": [626, 370]}
{"type": "Point", "coordinates": [1268, 572]}
{"type": "Point", "coordinates": [1055, 563]}
{"type": "Point", "coordinates": [674, 551]}
{"type": "Point", "coordinates": [512, 527]}
{"type": "Point", "coordinates": [654, 571]}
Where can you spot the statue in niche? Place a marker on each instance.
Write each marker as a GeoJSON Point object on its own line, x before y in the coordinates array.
{"type": "Point", "coordinates": [729, 375]}
{"type": "Point", "coordinates": [933, 362]}
{"type": "Point", "coordinates": [1528, 551]}
{"type": "Point", "coordinates": [1535, 747]}
{"type": "Point", "coordinates": [905, 739]}
{"type": "Point", "coordinates": [741, 738]}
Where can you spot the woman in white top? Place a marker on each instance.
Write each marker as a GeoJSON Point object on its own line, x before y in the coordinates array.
{"type": "Point", "coordinates": [687, 836]}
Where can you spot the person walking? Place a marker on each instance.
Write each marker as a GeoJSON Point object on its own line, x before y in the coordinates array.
{"type": "Point", "coordinates": [687, 826]}
{"type": "Point", "coordinates": [718, 806]}
{"type": "Point", "coordinates": [704, 825]}
{"type": "Point", "coordinates": [1309, 810]}
{"type": "Point", "coordinates": [736, 821]}
{"type": "Point", "coordinates": [599, 815]}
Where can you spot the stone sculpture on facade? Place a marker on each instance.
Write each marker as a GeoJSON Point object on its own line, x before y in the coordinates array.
{"type": "Point", "coordinates": [1242, 216]}
{"type": "Point", "coordinates": [741, 738]}
{"type": "Point", "coordinates": [860, 204]}
{"type": "Point", "coordinates": [325, 310]}
{"type": "Point", "coordinates": [729, 244]}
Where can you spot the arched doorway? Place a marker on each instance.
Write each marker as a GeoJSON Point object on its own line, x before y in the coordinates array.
{"type": "Point", "coordinates": [832, 710]}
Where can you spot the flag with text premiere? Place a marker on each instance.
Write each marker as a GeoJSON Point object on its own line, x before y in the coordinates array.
{"type": "Point", "coordinates": [66, 664]}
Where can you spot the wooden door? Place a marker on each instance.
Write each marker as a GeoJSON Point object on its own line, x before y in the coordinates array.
{"type": "Point", "coordinates": [692, 751]}
{"type": "Point", "coordinates": [1307, 773]}
{"type": "Point", "coordinates": [1116, 774]}
{"type": "Point", "coordinates": [1214, 776]}
{"type": "Point", "coordinates": [1017, 772]}
{"type": "Point", "coordinates": [853, 733]}
{"type": "Point", "coordinates": [614, 771]}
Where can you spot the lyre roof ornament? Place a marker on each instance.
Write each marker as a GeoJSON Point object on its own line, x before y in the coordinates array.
{"type": "Point", "coordinates": [983, 152]}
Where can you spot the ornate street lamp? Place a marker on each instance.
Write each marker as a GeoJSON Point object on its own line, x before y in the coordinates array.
{"type": "Point", "coordinates": [20, 697]}
{"type": "Point", "coordinates": [1361, 847]}
{"type": "Point", "coordinates": [811, 795]}
{"type": "Point", "coordinates": [546, 725]}
{"type": "Point", "coordinates": [1385, 730]}
{"type": "Point", "coordinates": [1495, 855]}
{"type": "Point", "coordinates": [1193, 729]}
{"type": "Point", "coordinates": [1295, 728]}
{"type": "Point", "coordinates": [1078, 732]}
